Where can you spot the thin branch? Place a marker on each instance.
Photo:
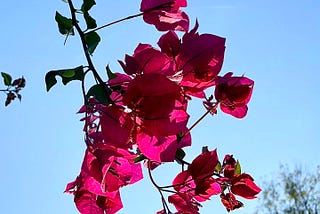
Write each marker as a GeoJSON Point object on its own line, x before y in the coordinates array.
{"type": "Point", "coordinates": [115, 22]}
{"type": "Point", "coordinates": [165, 205]}
{"type": "Point", "coordinates": [84, 46]}
{"type": "Point", "coordinates": [200, 119]}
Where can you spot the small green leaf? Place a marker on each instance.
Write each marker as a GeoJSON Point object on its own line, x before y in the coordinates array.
{"type": "Point", "coordinates": [6, 78]}
{"type": "Point", "coordinates": [237, 170]}
{"type": "Point", "coordinates": [65, 24]}
{"type": "Point", "coordinates": [99, 92]}
{"type": "Point", "coordinates": [139, 158]}
{"type": "Point", "coordinates": [92, 40]}
{"type": "Point", "coordinates": [180, 136]}
{"type": "Point", "coordinates": [110, 74]}
{"type": "Point", "coordinates": [67, 75]}
{"type": "Point", "coordinates": [218, 167]}
{"type": "Point", "coordinates": [91, 22]}
{"type": "Point", "coordinates": [87, 5]}
{"type": "Point", "coordinates": [180, 154]}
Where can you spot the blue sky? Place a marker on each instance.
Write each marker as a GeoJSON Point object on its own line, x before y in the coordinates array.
{"type": "Point", "coordinates": [276, 43]}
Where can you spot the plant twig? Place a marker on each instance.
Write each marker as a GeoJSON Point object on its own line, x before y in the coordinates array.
{"type": "Point", "coordinates": [115, 22]}
{"type": "Point", "coordinates": [85, 49]}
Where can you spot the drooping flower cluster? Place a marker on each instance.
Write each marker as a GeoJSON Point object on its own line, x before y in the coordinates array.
{"type": "Point", "coordinates": [145, 118]}
{"type": "Point", "coordinates": [206, 177]}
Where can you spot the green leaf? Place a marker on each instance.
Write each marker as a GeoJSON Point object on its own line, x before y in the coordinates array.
{"type": "Point", "coordinates": [237, 170]}
{"type": "Point", "coordinates": [92, 40]}
{"type": "Point", "coordinates": [139, 158]}
{"type": "Point", "coordinates": [87, 5]}
{"type": "Point", "coordinates": [180, 154]}
{"type": "Point", "coordinates": [99, 92]}
{"type": "Point", "coordinates": [91, 22]}
{"type": "Point", "coordinates": [218, 167]}
{"type": "Point", "coordinates": [110, 74]}
{"type": "Point", "coordinates": [6, 78]}
{"type": "Point", "coordinates": [65, 24]}
{"type": "Point", "coordinates": [67, 75]}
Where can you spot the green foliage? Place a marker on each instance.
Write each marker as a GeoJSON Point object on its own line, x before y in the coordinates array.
{"type": "Point", "coordinates": [92, 40]}
{"type": "Point", "coordinates": [140, 158]}
{"type": "Point", "coordinates": [218, 167]}
{"type": "Point", "coordinates": [292, 192]}
{"type": "Point", "coordinates": [180, 154]}
{"type": "Point", "coordinates": [99, 93]}
{"type": "Point", "coordinates": [110, 74]}
{"type": "Point", "coordinates": [87, 5]}
{"type": "Point", "coordinates": [13, 87]}
{"type": "Point", "coordinates": [65, 24]}
{"type": "Point", "coordinates": [91, 22]}
{"type": "Point", "coordinates": [237, 170]}
{"type": "Point", "coordinates": [6, 78]}
{"type": "Point", "coordinates": [67, 75]}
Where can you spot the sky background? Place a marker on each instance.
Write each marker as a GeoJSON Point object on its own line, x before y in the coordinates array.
{"type": "Point", "coordinates": [275, 43]}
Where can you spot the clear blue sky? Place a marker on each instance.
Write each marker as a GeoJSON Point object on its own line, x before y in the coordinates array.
{"type": "Point", "coordinates": [276, 43]}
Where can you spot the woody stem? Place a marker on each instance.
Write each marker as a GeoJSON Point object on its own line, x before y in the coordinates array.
{"type": "Point", "coordinates": [200, 119]}
{"type": "Point", "coordinates": [165, 205]}
{"type": "Point", "coordinates": [115, 22]}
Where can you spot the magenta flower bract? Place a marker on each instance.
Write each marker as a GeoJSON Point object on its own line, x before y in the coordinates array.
{"type": "Point", "coordinates": [234, 94]}
{"type": "Point", "coordinates": [165, 14]}
{"type": "Point", "coordinates": [244, 186]}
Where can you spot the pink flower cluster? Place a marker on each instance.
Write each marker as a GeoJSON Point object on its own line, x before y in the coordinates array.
{"type": "Point", "coordinates": [147, 119]}
{"type": "Point", "coordinates": [206, 177]}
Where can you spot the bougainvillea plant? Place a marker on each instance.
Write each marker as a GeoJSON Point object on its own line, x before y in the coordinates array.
{"type": "Point", "coordinates": [140, 117]}
{"type": "Point", "coordinates": [13, 87]}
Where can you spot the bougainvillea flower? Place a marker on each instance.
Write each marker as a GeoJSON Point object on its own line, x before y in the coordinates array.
{"type": "Point", "coordinates": [96, 201]}
{"type": "Point", "coordinates": [197, 59]}
{"type": "Point", "coordinates": [117, 167]}
{"type": "Point", "coordinates": [244, 186]}
{"type": "Point", "coordinates": [161, 148]}
{"type": "Point", "coordinates": [200, 189]}
{"type": "Point", "coordinates": [110, 204]}
{"type": "Point", "coordinates": [201, 56]}
{"type": "Point", "coordinates": [234, 94]}
{"type": "Point", "coordinates": [165, 14]}
{"type": "Point", "coordinates": [206, 188]}
{"type": "Point", "coordinates": [103, 172]}
{"type": "Point", "coordinates": [152, 96]}
{"type": "Point", "coordinates": [230, 201]}
{"type": "Point", "coordinates": [172, 124]}
{"type": "Point", "coordinates": [229, 164]}
{"type": "Point", "coordinates": [162, 4]}
{"type": "Point", "coordinates": [197, 180]}
{"type": "Point", "coordinates": [89, 203]}
{"type": "Point", "coordinates": [118, 84]}
{"type": "Point", "coordinates": [119, 172]}
{"type": "Point", "coordinates": [116, 126]}
{"type": "Point", "coordinates": [184, 203]}
{"type": "Point", "coordinates": [146, 59]}
{"type": "Point", "coordinates": [204, 165]}
{"type": "Point", "coordinates": [161, 212]}
{"type": "Point", "coordinates": [194, 190]}
{"type": "Point", "coordinates": [170, 44]}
